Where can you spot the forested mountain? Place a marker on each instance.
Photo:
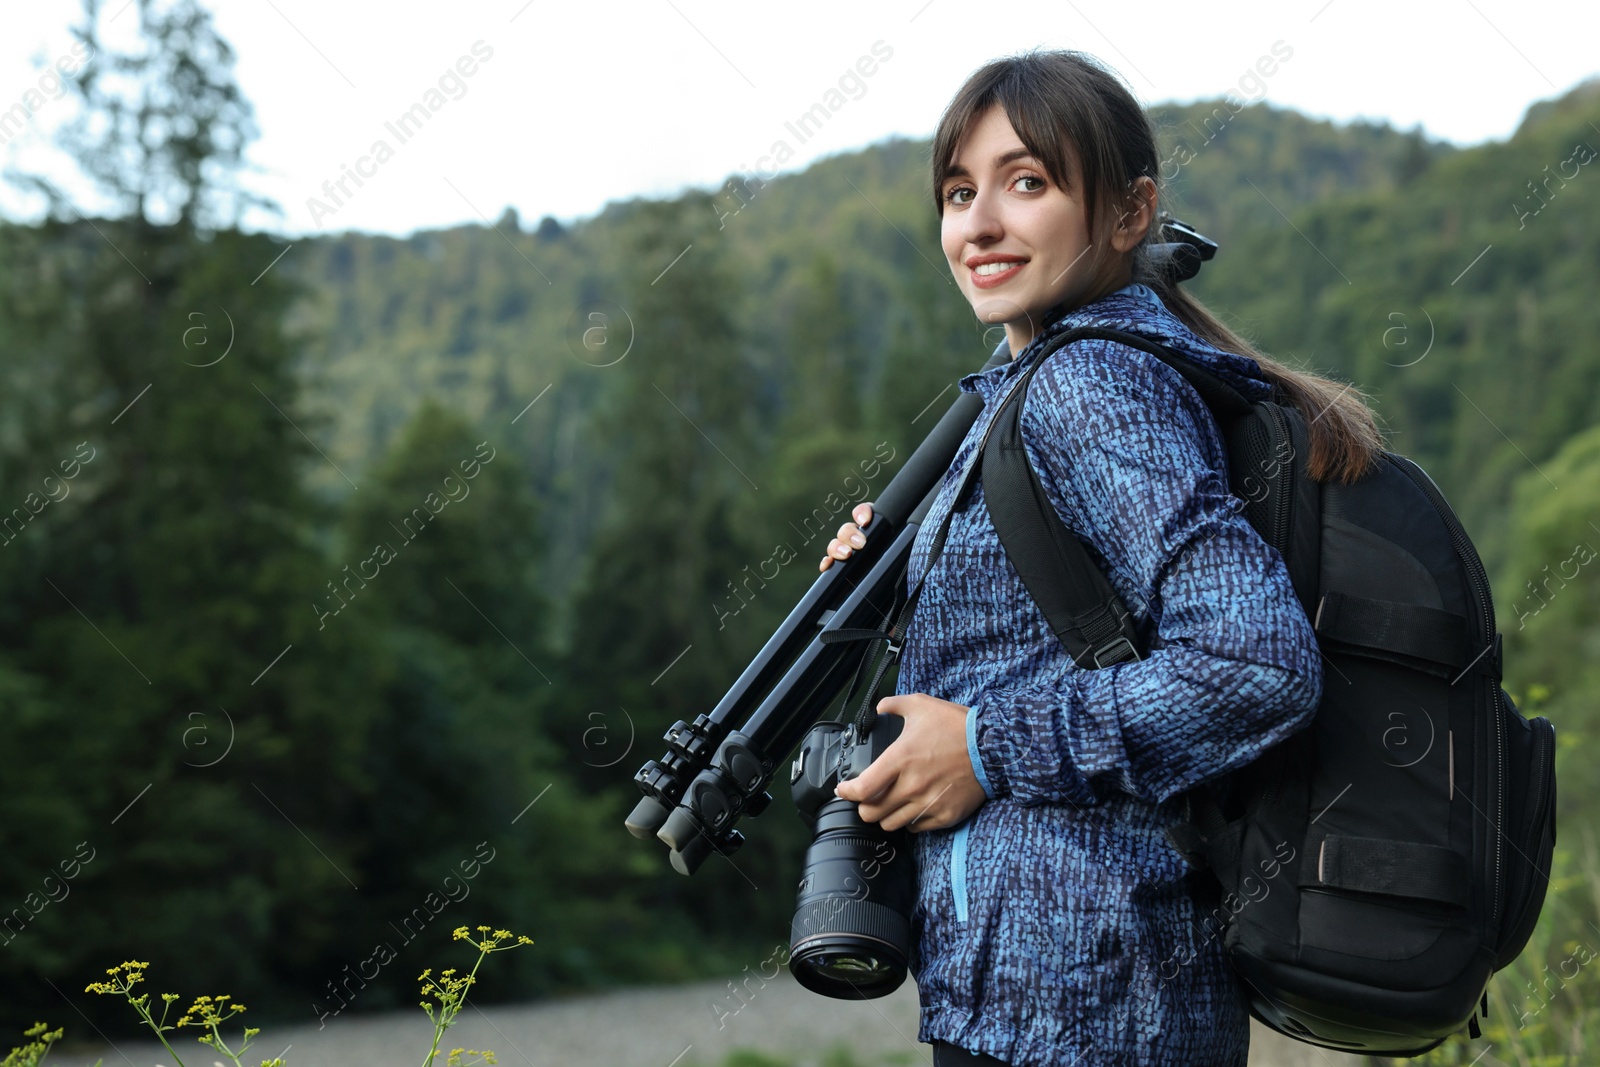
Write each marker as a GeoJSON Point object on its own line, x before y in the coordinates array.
{"type": "Point", "coordinates": [836, 267]}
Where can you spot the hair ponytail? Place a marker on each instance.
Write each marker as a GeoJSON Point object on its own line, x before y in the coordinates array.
{"type": "Point", "coordinates": [1345, 440]}
{"type": "Point", "coordinates": [1077, 117]}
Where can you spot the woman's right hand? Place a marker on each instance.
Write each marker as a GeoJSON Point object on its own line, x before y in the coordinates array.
{"type": "Point", "coordinates": [850, 537]}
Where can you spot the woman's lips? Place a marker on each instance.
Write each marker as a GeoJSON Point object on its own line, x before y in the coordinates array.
{"type": "Point", "coordinates": [989, 281]}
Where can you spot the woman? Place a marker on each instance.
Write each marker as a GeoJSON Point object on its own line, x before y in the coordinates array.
{"type": "Point", "coordinates": [1054, 924]}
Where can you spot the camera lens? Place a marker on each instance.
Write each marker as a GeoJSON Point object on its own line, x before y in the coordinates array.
{"type": "Point", "coordinates": [851, 935]}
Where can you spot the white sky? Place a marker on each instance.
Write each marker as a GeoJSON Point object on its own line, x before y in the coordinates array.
{"type": "Point", "coordinates": [585, 103]}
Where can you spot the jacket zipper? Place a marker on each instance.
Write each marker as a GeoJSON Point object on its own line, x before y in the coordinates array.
{"type": "Point", "coordinates": [958, 869]}
{"type": "Point", "coordinates": [958, 844]}
{"type": "Point", "coordinates": [1479, 580]}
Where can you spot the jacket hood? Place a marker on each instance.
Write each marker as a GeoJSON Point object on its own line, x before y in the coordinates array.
{"type": "Point", "coordinates": [1137, 309]}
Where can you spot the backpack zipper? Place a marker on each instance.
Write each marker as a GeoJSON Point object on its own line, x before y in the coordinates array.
{"type": "Point", "coordinates": [1280, 515]}
{"type": "Point", "coordinates": [1538, 786]}
{"type": "Point", "coordinates": [1478, 578]}
{"type": "Point", "coordinates": [1280, 538]}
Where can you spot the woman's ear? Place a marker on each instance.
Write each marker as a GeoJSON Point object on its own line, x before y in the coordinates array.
{"type": "Point", "coordinates": [1137, 213]}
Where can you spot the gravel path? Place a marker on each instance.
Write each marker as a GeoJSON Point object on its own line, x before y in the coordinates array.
{"type": "Point", "coordinates": [645, 1027]}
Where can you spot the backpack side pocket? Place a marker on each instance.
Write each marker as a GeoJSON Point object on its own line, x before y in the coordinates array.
{"type": "Point", "coordinates": [1529, 826]}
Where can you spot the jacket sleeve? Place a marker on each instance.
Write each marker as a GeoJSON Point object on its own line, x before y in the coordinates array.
{"type": "Point", "coordinates": [1116, 436]}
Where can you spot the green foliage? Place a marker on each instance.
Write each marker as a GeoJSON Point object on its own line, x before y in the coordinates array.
{"type": "Point", "coordinates": [33, 1053]}
{"type": "Point", "coordinates": [647, 644]}
{"type": "Point", "coordinates": [840, 282]}
{"type": "Point", "coordinates": [150, 602]}
{"type": "Point", "coordinates": [445, 995]}
{"type": "Point", "coordinates": [1551, 623]}
{"type": "Point", "coordinates": [206, 1013]}
{"type": "Point", "coordinates": [1237, 170]}
{"type": "Point", "coordinates": [752, 1058]}
{"type": "Point", "coordinates": [1471, 326]}
{"type": "Point", "coordinates": [838, 1054]}
{"type": "Point", "coordinates": [681, 434]}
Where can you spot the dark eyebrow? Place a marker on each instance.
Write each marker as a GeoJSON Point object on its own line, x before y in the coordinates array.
{"type": "Point", "coordinates": [958, 171]}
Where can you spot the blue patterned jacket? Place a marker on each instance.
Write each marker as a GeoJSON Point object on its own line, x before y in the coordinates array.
{"type": "Point", "coordinates": [1053, 926]}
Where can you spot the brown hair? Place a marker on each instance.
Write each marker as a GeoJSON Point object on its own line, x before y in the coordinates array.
{"type": "Point", "coordinates": [1067, 107]}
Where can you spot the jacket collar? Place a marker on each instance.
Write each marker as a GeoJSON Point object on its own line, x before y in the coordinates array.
{"type": "Point", "coordinates": [1135, 308]}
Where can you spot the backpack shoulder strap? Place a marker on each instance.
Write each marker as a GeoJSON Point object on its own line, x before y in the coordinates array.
{"type": "Point", "coordinates": [1083, 610]}
{"type": "Point", "coordinates": [1224, 401]}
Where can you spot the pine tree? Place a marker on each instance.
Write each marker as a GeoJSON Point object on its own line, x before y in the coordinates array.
{"type": "Point", "coordinates": [445, 542]}
{"type": "Point", "coordinates": [164, 663]}
{"type": "Point", "coordinates": [677, 422]}
{"type": "Point", "coordinates": [658, 634]}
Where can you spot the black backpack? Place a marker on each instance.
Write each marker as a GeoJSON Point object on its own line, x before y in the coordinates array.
{"type": "Point", "coordinates": [1364, 893]}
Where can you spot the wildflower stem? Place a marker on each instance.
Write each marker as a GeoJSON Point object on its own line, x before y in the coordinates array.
{"type": "Point", "coordinates": [451, 993]}
{"type": "Point", "coordinates": [450, 1007]}
{"type": "Point", "coordinates": [138, 1004]}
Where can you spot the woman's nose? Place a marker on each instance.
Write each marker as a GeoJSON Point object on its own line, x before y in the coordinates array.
{"type": "Point", "coordinates": [982, 220]}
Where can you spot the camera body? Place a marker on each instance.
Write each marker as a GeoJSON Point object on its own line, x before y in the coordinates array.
{"type": "Point", "coordinates": [833, 752]}
{"type": "Point", "coordinates": [851, 933]}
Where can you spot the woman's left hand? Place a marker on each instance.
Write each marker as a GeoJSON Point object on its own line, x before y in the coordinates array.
{"type": "Point", "coordinates": [924, 779]}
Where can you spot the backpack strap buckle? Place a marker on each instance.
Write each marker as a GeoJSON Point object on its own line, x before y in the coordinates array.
{"type": "Point", "coordinates": [1118, 650]}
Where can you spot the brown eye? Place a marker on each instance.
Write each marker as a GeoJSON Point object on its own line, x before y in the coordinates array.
{"type": "Point", "coordinates": [1031, 178]}
{"type": "Point", "coordinates": [950, 197]}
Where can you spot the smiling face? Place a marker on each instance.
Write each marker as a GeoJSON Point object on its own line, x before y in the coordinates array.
{"type": "Point", "coordinates": [1017, 241]}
